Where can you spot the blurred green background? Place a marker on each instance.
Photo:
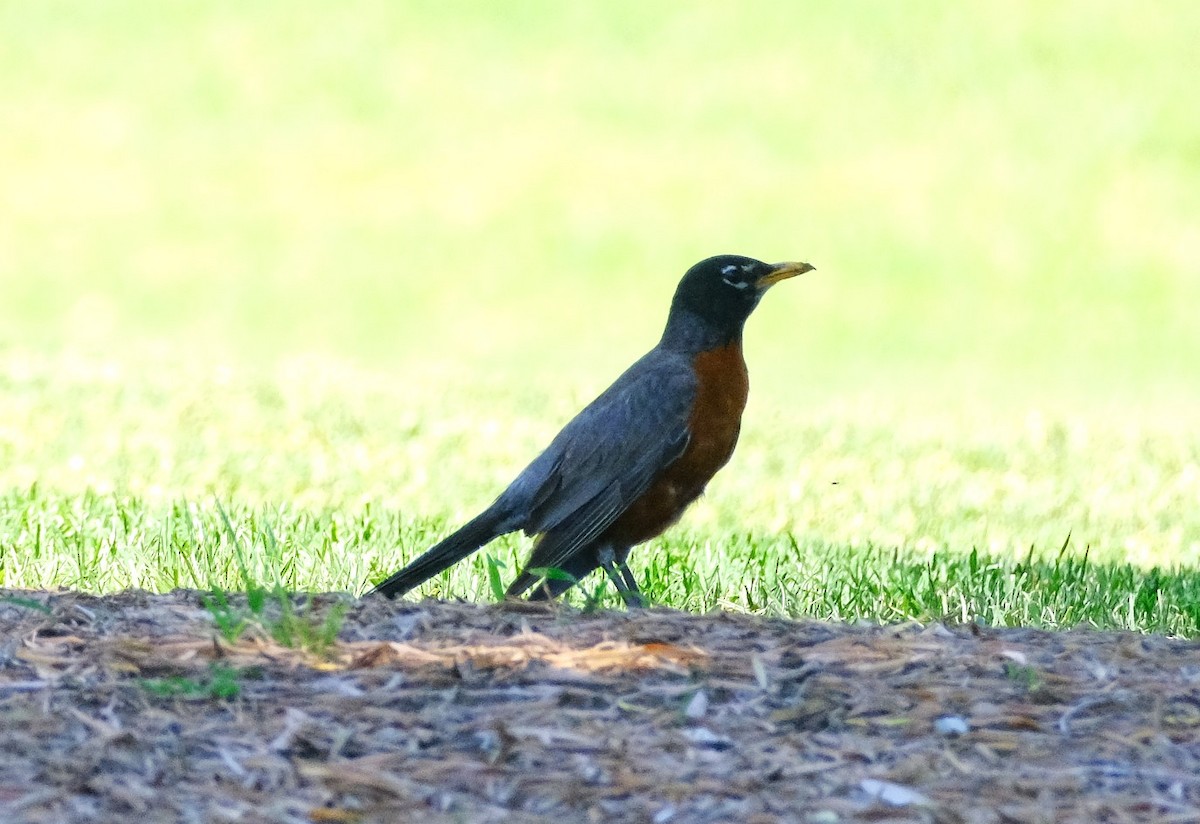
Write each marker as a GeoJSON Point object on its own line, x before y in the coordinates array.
{"type": "Point", "coordinates": [319, 254]}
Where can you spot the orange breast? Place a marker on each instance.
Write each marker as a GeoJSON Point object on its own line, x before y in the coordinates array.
{"type": "Point", "coordinates": [722, 387]}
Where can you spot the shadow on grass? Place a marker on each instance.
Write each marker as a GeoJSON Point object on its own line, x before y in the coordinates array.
{"type": "Point", "coordinates": [782, 575]}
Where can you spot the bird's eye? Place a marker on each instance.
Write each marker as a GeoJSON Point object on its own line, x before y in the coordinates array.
{"type": "Point", "coordinates": [734, 275]}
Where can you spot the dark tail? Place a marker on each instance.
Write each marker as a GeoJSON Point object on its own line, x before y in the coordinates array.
{"type": "Point", "coordinates": [486, 526]}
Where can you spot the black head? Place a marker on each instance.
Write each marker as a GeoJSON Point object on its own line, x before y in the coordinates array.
{"type": "Point", "coordinates": [722, 291]}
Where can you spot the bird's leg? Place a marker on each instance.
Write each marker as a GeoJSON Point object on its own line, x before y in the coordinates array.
{"type": "Point", "coordinates": [623, 581]}
{"type": "Point", "coordinates": [632, 584]}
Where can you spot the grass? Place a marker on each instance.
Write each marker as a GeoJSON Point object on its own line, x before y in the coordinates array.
{"type": "Point", "coordinates": [221, 683]}
{"type": "Point", "coordinates": [120, 542]}
{"type": "Point", "coordinates": [337, 269]}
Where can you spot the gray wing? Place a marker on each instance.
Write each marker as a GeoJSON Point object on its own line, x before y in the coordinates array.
{"type": "Point", "coordinates": [607, 456]}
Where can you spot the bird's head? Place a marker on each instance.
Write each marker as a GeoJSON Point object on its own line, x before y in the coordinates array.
{"type": "Point", "coordinates": [724, 290]}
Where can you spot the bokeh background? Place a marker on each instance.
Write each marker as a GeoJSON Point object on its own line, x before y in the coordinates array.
{"type": "Point", "coordinates": [324, 255]}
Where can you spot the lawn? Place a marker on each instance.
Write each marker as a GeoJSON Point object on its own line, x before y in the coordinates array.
{"type": "Point", "coordinates": [341, 270]}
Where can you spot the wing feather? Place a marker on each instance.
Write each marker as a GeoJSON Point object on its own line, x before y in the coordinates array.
{"type": "Point", "coordinates": [606, 457]}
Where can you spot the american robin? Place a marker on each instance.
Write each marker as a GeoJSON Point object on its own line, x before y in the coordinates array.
{"type": "Point", "coordinates": [627, 466]}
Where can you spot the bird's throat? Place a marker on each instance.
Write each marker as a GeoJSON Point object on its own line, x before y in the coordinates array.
{"type": "Point", "coordinates": [689, 332]}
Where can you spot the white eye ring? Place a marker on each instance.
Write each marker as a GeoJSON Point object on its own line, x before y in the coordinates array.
{"type": "Point", "coordinates": [736, 284]}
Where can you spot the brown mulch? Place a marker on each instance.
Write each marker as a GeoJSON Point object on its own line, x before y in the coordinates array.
{"type": "Point", "coordinates": [461, 713]}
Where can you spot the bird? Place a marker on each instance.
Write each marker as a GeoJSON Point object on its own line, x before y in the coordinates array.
{"type": "Point", "coordinates": [627, 466]}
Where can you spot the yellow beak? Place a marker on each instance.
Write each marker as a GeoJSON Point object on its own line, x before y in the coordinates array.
{"type": "Point", "coordinates": [782, 271]}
